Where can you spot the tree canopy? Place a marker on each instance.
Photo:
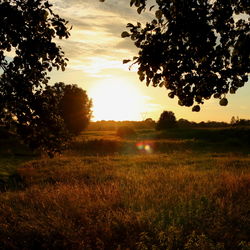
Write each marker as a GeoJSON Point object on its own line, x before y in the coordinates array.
{"type": "Point", "coordinates": [27, 53]}
{"type": "Point", "coordinates": [74, 106]}
{"type": "Point", "coordinates": [27, 30]}
{"type": "Point", "coordinates": [196, 49]}
{"type": "Point", "coordinates": [61, 111]}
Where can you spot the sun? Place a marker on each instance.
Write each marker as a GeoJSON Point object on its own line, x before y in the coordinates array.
{"type": "Point", "coordinates": [115, 99]}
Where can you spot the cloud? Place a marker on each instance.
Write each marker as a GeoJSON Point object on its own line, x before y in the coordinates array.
{"type": "Point", "coordinates": [151, 104]}
{"type": "Point", "coordinates": [95, 42]}
{"type": "Point", "coordinates": [94, 65]}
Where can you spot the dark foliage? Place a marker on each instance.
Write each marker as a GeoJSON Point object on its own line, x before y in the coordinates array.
{"type": "Point", "coordinates": [196, 49]}
{"type": "Point", "coordinates": [27, 30]}
{"type": "Point", "coordinates": [183, 123]}
{"type": "Point", "coordinates": [63, 111]}
{"type": "Point", "coordinates": [239, 122]}
{"type": "Point", "coordinates": [74, 106]}
{"type": "Point", "coordinates": [46, 130]}
{"type": "Point", "coordinates": [167, 120]}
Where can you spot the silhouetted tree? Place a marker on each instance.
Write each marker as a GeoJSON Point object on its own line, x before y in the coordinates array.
{"type": "Point", "coordinates": [27, 30]}
{"type": "Point", "coordinates": [62, 111]}
{"type": "Point", "coordinates": [184, 123]}
{"type": "Point", "coordinates": [167, 120]}
{"type": "Point", "coordinates": [196, 49]}
{"type": "Point", "coordinates": [75, 108]}
{"type": "Point", "coordinates": [242, 122]}
{"type": "Point", "coordinates": [46, 130]}
{"type": "Point", "coordinates": [149, 120]}
{"type": "Point", "coordinates": [233, 120]}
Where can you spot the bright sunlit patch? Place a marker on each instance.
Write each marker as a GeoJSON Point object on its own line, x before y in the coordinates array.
{"type": "Point", "coordinates": [118, 100]}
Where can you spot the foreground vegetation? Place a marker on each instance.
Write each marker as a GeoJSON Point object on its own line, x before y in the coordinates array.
{"type": "Point", "coordinates": [192, 195]}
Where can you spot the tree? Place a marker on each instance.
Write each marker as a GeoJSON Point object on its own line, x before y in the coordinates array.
{"type": "Point", "coordinates": [183, 123]}
{"type": "Point", "coordinates": [74, 107]}
{"type": "Point", "coordinates": [167, 120]}
{"type": "Point", "coordinates": [149, 120]}
{"type": "Point", "coordinates": [196, 49]}
{"type": "Point", "coordinates": [233, 120]}
{"type": "Point", "coordinates": [27, 30]}
{"type": "Point", "coordinates": [62, 111]}
{"type": "Point", "coordinates": [46, 130]}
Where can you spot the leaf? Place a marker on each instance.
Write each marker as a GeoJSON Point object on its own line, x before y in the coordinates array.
{"type": "Point", "coordinates": [162, 84]}
{"type": "Point", "coordinates": [46, 14]}
{"type": "Point", "coordinates": [126, 61]}
{"type": "Point", "coordinates": [232, 90]}
{"type": "Point", "coordinates": [196, 108]}
{"type": "Point", "coordinates": [130, 25]}
{"type": "Point", "coordinates": [223, 102]}
{"type": "Point", "coordinates": [134, 36]}
{"type": "Point", "coordinates": [158, 14]}
{"type": "Point", "coordinates": [180, 103]}
{"type": "Point", "coordinates": [151, 7]}
{"type": "Point", "coordinates": [142, 78]}
{"type": "Point", "coordinates": [216, 95]}
{"type": "Point", "coordinates": [137, 3]}
{"type": "Point", "coordinates": [140, 9]}
{"type": "Point", "coordinates": [154, 22]}
{"type": "Point", "coordinates": [125, 34]}
{"type": "Point", "coordinates": [132, 2]}
{"type": "Point", "coordinates": [171, 95]}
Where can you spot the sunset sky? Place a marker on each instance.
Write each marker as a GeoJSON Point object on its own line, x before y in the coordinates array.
{"type": "Point", "coordinates": [96, 50]}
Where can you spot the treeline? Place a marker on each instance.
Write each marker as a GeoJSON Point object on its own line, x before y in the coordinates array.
{"type": "Point", "coordinates": [212, 124]}
{"type": "Point", "coordinates": [114, 125]}
{"type": "Point", "coordinates": [151, 124]}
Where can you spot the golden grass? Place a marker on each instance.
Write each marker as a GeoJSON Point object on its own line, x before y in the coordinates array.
{"type": "Point", "coordinates": [157, 201]}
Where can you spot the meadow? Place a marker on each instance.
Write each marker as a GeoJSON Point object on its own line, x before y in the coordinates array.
{"type": "Point", "coordinates": [179, 189]}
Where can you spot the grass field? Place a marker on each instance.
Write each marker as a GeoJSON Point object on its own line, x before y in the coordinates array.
{"type": "Point", "coordinates": [181, 189]}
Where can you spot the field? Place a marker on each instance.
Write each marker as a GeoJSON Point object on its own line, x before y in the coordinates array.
{"type": "Point", "coordinates": [179, 189]}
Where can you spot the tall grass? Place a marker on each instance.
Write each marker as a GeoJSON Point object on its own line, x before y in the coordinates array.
{"type": "Point", "coordinates": [177, 200]}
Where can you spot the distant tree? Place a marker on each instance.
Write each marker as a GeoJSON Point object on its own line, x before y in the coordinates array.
{"type": "Point", "coordinates": [27, 30]}
{"type": "Point", "coordinates": [242, 122]}
{"type": "Point", "coordinates": [233, 120]}
{"type": "Point", "coordinates": [149, 120]}
{"type": "Point", "coordinates": [184, 123]}
{"type": "Point", "coordinates": [212, 124]}
{"type": "Point", "coordinates": [196, 49]}
{"type": "Point", "coordinates": [167, 120]}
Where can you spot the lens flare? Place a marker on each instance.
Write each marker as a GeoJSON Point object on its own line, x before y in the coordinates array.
{"type": "Point", "coordinates": [145, 147]}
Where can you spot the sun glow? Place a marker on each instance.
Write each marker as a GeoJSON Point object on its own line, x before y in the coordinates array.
{"type": "Point", "coordinates": [115, 99]}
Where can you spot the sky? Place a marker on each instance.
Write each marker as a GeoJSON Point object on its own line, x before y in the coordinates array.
{"type": "Point", "coordinates": [96, 50]}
